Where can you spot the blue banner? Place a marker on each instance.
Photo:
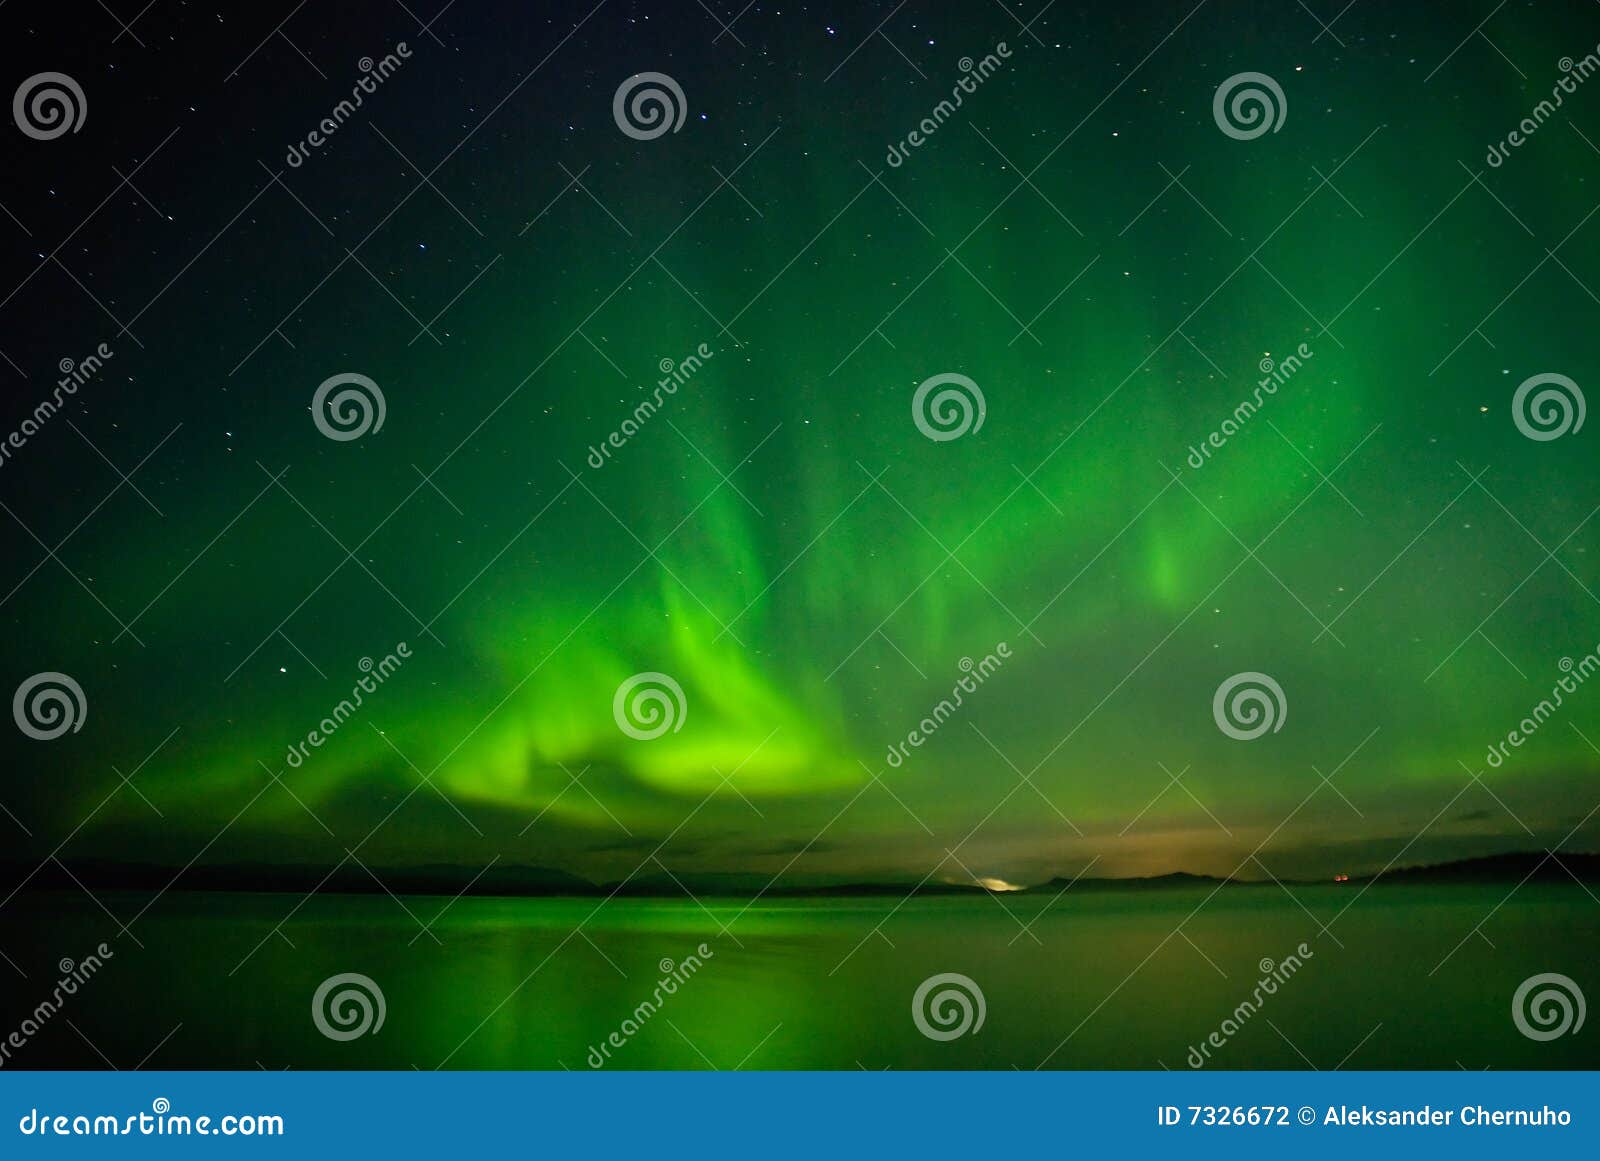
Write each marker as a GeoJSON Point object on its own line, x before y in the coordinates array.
{"type": "Point", "coordinates": [705, 1116]}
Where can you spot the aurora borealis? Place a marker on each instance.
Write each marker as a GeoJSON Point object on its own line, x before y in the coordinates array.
{"type": "Point", "coordinates": [777, 534]}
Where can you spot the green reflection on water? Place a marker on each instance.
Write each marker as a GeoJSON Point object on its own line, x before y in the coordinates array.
{"type": "Point", "coordinates": [1092, 980]}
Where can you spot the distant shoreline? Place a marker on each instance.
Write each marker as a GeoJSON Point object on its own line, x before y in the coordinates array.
{"type": "Point", "coordinates": [538, 882]}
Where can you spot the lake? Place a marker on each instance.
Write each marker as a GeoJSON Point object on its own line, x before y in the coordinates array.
{"type": "Point", "coordinates": [1405, 978]}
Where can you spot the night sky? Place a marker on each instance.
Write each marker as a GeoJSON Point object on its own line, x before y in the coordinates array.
{"type": "Point", "coordinates": [781, 537]}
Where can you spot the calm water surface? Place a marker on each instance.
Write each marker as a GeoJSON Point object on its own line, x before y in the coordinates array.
{"type": "Point", "coordinates": [1404, 978]}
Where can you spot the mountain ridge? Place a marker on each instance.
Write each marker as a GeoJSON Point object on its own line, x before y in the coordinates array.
{"type": "Point", "coordinates": [546, 882]}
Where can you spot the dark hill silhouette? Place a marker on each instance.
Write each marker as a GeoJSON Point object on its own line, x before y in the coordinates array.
{"type": "Point", "coordinates": [532, 881]}
{"type": "Point", "coordinates": [1532, 866]}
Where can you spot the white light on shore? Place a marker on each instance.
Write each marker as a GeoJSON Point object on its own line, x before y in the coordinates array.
{"type": "Point", "coordinates": [998, 885]}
